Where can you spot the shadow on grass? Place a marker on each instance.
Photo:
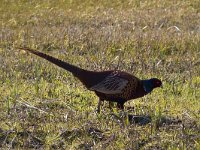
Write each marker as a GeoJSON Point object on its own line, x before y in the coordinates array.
{"type": "Point", "coordinates": [139, 119]}
{"type": "Point", "coordinates": [145, 119]}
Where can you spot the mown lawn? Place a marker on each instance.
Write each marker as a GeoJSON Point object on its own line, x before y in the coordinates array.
{"type": "Point", "coordinates": [45, 107]}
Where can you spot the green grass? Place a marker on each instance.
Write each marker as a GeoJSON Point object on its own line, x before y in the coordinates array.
{"type": "Point", "coordinates": [43, 106]}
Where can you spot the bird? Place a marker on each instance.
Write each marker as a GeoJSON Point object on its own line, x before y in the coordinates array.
{"type": "Point", "coordinates": [110, 85]}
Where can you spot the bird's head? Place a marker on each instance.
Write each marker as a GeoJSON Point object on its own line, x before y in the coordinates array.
{"type": "Point", "coordinates": [156, 82]}
{"type": "Point", "coordinates": [152, 83]}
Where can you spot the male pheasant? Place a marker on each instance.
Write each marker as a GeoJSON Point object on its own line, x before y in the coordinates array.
{"type": "Point", "coordinates": [113, 85]}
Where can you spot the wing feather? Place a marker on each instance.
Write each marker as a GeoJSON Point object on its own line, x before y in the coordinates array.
{"type": "Point", "coordinates": [112, 84]}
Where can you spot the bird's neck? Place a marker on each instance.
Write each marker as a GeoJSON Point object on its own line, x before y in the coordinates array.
{"type": "Point", "coordinates": [147, 85]}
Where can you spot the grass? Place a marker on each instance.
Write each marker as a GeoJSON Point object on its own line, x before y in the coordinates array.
{"type": "Point", "coordinates": [43, 106]}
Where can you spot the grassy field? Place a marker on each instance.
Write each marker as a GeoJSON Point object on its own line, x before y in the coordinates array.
{"type": "Point", "coordinates": [43, 106]}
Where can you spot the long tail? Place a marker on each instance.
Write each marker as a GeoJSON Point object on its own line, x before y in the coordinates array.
{"type": "Point", "coordinates": [71, 68]}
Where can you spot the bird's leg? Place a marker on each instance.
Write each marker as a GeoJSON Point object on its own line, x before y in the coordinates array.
{"type": "Point", "coordinates": [99, 105]}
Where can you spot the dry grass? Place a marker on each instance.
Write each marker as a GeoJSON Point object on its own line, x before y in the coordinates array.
{"type": "Point", "coordinates": [42, 106]}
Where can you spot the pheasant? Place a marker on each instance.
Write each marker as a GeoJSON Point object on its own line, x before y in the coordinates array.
{"type": "Point", "coordinates": [112, 85]}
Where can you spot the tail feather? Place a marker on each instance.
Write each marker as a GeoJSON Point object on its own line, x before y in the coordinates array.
{"type": "Point", "coordinates": [71, 68]}
{"type": "Point", "coordinates": [88, 78]}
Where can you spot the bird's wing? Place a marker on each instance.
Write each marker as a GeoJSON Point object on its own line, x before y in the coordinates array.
{"type": "Point", "coordinates": [112, 84]}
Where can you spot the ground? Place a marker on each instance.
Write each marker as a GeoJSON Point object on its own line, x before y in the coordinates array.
{"type": "Point", "coordinates": [43, 106]}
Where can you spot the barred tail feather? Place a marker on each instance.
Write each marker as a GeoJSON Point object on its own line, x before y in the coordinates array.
{"type": "Point", "coordinates": [71, 68]}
